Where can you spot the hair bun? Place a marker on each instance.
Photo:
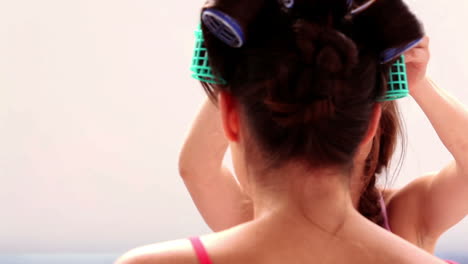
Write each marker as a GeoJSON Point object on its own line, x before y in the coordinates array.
{"type": "Point", "coordinates": [326, 59]}
{"type": "Point", "coordinates": [325, 49]}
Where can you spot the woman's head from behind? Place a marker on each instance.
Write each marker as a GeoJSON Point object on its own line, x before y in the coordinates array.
{"type": "Point", "coordinates": [303, 87]}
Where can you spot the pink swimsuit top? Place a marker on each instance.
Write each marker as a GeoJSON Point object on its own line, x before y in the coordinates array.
{"type": "Point", "coordinates": [200, 250]}
{"type": "Point", "coordinates": [383, 207]}
{"type": "Point", "coordinates": [204, 258]}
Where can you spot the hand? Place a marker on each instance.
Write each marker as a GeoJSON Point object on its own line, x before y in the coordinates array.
{"type": "Point", "coordinates": [417, 59]}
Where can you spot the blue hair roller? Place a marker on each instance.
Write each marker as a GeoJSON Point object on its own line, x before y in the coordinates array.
{"type": "Point", "coordinates": [229, 20]}
{"type": "Point", "coordinates": [393, 53]}
{"type": "Point", "coordinates": [360, 8]}
{"type": "Point", "coordinates": [224, 27]}
{"type": "Point", "coordinates": [288, 3]}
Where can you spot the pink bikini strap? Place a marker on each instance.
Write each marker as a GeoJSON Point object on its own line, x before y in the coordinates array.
{"type": "Point", "coordinates": [383, 207]}
{"type": "Point", "coordinates": [200, 250]}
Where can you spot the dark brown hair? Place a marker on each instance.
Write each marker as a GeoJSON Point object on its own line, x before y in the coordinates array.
{"type": "Point", "coordinates": [307, 80]}
{"type": "Point", "coordinates": [378, 161]}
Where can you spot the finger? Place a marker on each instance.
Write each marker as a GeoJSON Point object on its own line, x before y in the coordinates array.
{"type": "Point", "coordinates": [416, 55]}
{"type": "Point", "coordinates": [417, 51]}
{"type": "Point", "coordinates": [424, 42]}
{"type": "Point", "coordinates": [409, 56]}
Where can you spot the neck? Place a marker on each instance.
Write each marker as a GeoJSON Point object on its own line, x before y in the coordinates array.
{"type": "Point", "coordinates": [357, 183]}
{"type": "Point", "coordinates": [321, 198]}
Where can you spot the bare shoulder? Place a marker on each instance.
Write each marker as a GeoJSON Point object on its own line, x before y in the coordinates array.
{"type": "Point", "coordinates": [219, 246]}
{"type": "Point", "coordinates": [388, 193]}
{"type": "Point", "coordinates": [409, 193]}
{"type": "Point", "coordinates": [403, 208]}
{"type": "Point", "coordinates": [174, 252]}
{"type": "Point", "coordinates": [400, 196]}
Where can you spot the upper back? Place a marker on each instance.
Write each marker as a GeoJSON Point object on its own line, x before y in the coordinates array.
{"type": "Point", "coordinates": [250, 243]}
{"type": "Point", "coordinates": [365, 243]}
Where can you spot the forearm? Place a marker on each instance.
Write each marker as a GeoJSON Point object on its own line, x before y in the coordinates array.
{"type": "Point", "coordinates": [212, 187]}
{"type": "Point", "coordinates": [205, 146]}
{"type": "Point", "coordinates": [448, 117]}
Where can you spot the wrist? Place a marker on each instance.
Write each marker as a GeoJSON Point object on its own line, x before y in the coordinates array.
{"type": "Point", "coordinates": [417, 88]}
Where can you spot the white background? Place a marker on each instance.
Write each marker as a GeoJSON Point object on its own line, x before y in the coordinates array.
{"type": "Point", "coordinates": [95, 101]}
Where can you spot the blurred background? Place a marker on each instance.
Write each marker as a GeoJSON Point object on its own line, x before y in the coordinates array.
{"type": "Point", "coordinates": [95, 101]}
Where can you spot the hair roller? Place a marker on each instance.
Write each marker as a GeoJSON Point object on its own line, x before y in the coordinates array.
{"type": "Point", "coordinates": [388, 27]}
{"type": "Point", "coordinates": [287, 3]}
{"type": "Point", "coordinates": [393, 53]}
{"type": "Point", "coordinates": [229, 20]}
{"type": "Point", "coordinates": [357, 7]}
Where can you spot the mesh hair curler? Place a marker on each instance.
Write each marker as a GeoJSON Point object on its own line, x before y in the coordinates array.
{"type": "Point", "coordinates": [201, 70]}
{"type": "Point", "coordinates": [397, 82]}
{"type": "Point", "coordinates": [228, 20]}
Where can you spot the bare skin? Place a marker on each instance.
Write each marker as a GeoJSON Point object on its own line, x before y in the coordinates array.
{"type": "Point", "coordinates": [336, 232]}
{"type": "Point", "coordinates": [420, 212]}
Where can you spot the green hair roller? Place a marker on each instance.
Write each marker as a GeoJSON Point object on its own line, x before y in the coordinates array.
{"type": "Point", "coordinates": [397, 85]}
{"type": "Point", "coordinates": [201, 70]}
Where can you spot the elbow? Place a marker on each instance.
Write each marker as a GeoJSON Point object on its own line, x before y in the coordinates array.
{"type": "Point", "coordinates": [185, 170]}
{"type": "Point", "coordinates": [194, 167]}
{"type": "Point", "coordinates": [183, 164]}
{"type": "Point", "coordinates": [191, 167]}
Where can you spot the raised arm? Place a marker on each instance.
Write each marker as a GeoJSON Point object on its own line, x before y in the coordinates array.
{"type": "Point", "coordinates": [445, 195]}
{"type": "Point", "coordinates": [439, 200]}
{"type": "Point", "coordinates": [213, 188]}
